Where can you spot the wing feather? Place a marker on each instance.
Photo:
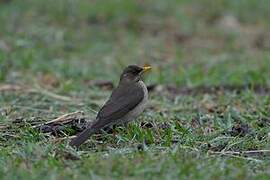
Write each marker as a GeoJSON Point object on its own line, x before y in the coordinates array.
{"type": "Point", "coordinates": [123, 99]}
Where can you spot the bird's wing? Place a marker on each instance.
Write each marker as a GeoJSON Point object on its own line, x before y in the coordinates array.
{"type": "Point", "coordinates": [119, 104]}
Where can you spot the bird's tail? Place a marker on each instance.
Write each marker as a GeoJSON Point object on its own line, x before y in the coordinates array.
{"type": "Point", "coordinates": [82, 137]}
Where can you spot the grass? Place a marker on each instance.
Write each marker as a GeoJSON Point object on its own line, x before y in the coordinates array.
{"type": "Point", "coordinates": [189, 130]}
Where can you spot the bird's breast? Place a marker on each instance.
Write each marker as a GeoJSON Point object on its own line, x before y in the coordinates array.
{"type": "Point", "coordinates": [140, 107]}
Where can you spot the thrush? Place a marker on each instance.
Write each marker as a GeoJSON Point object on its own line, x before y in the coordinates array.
{"type": "Point", "coordinates": [126, 102]}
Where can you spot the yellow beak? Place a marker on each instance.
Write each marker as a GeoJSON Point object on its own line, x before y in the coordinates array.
{"type": "Point", "coordinates": [146, 68]}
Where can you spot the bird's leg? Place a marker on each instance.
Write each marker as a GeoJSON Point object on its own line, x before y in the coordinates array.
{"type": "Point", "coordinates": [108, 129]}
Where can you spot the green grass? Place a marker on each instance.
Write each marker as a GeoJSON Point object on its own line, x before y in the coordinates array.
{"type": "Point", "coordinates": [62, 47]}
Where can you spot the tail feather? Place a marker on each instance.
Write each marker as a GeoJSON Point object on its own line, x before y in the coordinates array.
{"type": "Point", "coordinates": [82, 137]}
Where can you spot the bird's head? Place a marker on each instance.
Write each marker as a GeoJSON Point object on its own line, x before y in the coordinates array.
{"type": "Point", "coordinates": [133, 73]}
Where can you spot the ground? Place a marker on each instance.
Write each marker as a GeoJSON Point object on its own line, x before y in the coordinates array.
{"type": "Point", "coordinates": [209, 110]}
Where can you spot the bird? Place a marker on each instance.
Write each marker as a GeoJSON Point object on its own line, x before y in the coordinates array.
{"type": "Point", "coordinates": [127, 101]}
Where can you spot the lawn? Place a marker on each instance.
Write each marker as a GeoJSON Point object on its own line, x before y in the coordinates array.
{"type": "Point", "coordinates": [209, 111]}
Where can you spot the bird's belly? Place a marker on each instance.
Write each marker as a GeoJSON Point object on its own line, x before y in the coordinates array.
{"type": "Point", "coordinates": [138, 109]}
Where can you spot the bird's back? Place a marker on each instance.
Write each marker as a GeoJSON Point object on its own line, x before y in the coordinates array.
{"type": "Point", "coordinates": [124, 101]}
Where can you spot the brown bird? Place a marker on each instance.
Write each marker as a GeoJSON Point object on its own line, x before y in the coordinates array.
{"type": "Point", "coordinates": [127, 102]}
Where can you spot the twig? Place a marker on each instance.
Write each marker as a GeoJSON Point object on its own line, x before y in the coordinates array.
{"type": "Point", "coordinates": [3, 127]}
{"type": "Point", "coordinates": [30, 108]}
{"type": "Point", "coordinates": [51, 94]}
{"type": "Point", "coordinates": [231, 145]}
{"type": "Point", "coordinates": [10, 87]}
{"type": "Point", "coordinates": [10, 135]}
{"type": "Point", "coordinates": [38, 89]}
{"type": "Point", "coordinates": [257, 151]}
{"type": "Point", "coordinates": [237, 154]}
{"type": "Point", "coordinates": [55, 96]}
{"type": "Point", "coordinates": [245, 158]}
{"type": "Point", "coordinates": [63, 118]}
{"type": "Point", "coordinates": [241, 152]}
